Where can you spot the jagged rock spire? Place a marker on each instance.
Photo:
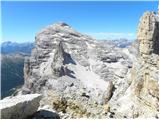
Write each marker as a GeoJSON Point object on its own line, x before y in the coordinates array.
{"type": "Point", "coordinates": [148, 34]}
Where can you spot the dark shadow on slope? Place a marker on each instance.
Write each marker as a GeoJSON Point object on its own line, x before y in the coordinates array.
{"type": "Point", "coordinates": [68, 59]}
{"type": "Point", "coordinates": [45, 114]}
{"type": "Point", "coordinates": [156, 42]}
{"type": "Point", "coordinates": [69, 73]}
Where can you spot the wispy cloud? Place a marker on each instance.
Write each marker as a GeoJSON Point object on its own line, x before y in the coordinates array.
{"type": "Point", "coordinates": [112, 35]}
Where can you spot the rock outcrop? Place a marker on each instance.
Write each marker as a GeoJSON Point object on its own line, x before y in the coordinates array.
{"type": "Point", "coordinates": [19, 107]}
{"type": "Point", "coordinates": [65, 61]}
{"type": "Point", "coordinates": [143, 93]}
{"type": "Point", "coordinates": [146, 79]}
{"type": "Point", "coordinates": [148, 34]}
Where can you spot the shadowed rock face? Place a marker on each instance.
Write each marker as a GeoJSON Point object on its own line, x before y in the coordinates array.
{"type": "Point", "coordinates": [60, 59]}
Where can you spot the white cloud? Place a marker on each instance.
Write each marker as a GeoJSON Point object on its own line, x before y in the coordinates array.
{"type": "Point", "coordinates": [110, 35]}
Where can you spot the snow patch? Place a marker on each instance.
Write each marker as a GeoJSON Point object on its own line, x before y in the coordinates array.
{"type": "Point", "coordinates": [89, 78]}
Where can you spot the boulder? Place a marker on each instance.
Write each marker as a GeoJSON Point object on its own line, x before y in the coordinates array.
{"type": "Point", "coordinates": [19, 107]}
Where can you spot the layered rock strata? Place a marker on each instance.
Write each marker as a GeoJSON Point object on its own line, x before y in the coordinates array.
{"type": "Point", "coordinates": [81, 71]}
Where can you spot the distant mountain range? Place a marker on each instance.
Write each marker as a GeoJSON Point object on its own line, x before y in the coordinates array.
{"type": "Point", "coordinates": [26, 47]}
{"type": "Point", "coordinates": [122, 42]}
{"type": "Point", "coordinates": [12, 62]}
{"type": "Point", "coordinates": [13, 47]}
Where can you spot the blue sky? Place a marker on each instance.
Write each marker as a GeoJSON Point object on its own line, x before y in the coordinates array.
{"type": "Point", "coordinates": [102, 20]}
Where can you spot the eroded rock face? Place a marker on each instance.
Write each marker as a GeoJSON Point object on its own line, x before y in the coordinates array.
{"type": "Point", "coordinates": [77, 68]}
{"type": "Point", "coordinates": [19, 107]}
{"type": "Point", "coordinates": [148, 34]}
{"type": "Point", "coordinates": [147, 88]}
{"type": "Point", "coordinates": [143, 93]}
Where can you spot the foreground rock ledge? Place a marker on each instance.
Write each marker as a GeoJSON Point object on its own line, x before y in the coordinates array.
{"type": "Point", "coordinates": [21, 106]}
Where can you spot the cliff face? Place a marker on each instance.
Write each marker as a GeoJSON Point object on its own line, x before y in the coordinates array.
{"type": "Point", "coordinates": [78, 69]}
{"type": "Point", "coordinates": [148, 36]}
{"type": "Point", "coordinates": [143, 92]}
{"type": "Point", "coordinates": [146, 80]}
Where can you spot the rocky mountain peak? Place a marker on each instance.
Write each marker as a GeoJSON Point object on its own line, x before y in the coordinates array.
{"type": "Point", "coordinates": [58, 28]}
{"type": "Point", "coordinates": [147, 35]}
{"type": "Point", "coordinates": [62, 24]}
{"type": "Point", "coordinates": [51, 35]}
{"type": "Point", "coordinates": [65, 61]}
